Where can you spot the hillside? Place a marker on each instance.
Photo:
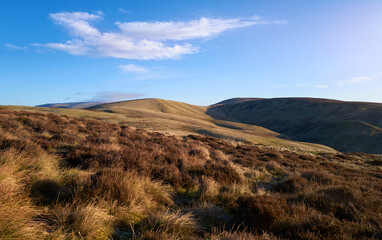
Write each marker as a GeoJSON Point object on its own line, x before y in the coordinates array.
{"type": "Point", "coordinates": [74, 178]}
{"type": "Point", "coordinates": [345, 126]}
{"type": "Point", "coordinates": [72, 105]}
{"type": "Point", "coordinates": [182, 119]}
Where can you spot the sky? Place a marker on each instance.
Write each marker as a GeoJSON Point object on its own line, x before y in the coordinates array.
{"type": "Point", "coordinates": [200, 52]}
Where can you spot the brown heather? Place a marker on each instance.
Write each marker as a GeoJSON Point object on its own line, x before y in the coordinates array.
{"type": "Point", "coordinates": [71, 178]}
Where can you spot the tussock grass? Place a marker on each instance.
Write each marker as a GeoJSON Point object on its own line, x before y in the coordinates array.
{"type": "Point", "coordinates": [16, 212]}
{"type": "Point", "coordinates": [168, 225]}
{"type": "Point", "coordinates": [240, 235]}
{"type": "Point", "coordinates": [16, 209]}
{"type": "Point", "coordinates": [75, 221]}
{"type": "Point", "coordinates": [129, 189]}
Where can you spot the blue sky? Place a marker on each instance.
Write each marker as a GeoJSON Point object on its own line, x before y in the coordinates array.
{"type": "Point", "coordinates": [199, 52]}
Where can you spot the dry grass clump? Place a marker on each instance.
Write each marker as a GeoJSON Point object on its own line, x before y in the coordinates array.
{"type": "Point", "coordinates": [79, 221]}
{"type": "Point", "coordinates": [199, 152]}
{"type": "Point", "coordinates": [168, 225]}
{"type": "Point", "coordinates": [67, 178]}
{"type": "Point", "coordinates": [16, 212]}
{"type": "Point", "coordinates": [209, 189]}
{"type": "Point", "coordinates": [219, 155]}
{"type": "Point", "coordinates": [240, 235]}
{"type": "Point", "coordinates": [129, 189]}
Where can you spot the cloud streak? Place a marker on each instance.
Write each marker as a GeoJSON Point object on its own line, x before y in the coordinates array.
{"type": "Point", "coordinates": [202, 28]}
{"type": "Point", "coordinates": [312, 85]}
{"type": "Point", "coordinates": [132, 68]}
{"type": "Point", "coordinates": [356, 80]}
{"type": "Point", "coordinates": [137, 73]}
{"type": "Point", "coordinates": [111, 96]}
{"type": "Point", "coordinates": [15, 48]}
{"type": "Point", "coordinates": [139, 40]}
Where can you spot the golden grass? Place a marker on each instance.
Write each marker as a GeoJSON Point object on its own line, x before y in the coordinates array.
{"type": "Point", "coordinates": [80, 221]}
{"type": "Point", "coordinates": [168, 225]}
{"type": "Point", "coordinates": [130, 189]}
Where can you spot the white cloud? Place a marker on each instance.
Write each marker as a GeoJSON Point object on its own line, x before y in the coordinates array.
{"type": "Point", "coordinates": [202, 28]}
{"type": "Point", "coordinates": [139, 40]}
{"type": "Point", "coordinates": [321, 86]}
{"type": "Point", "coordinates": [113, 96]}
{"type": "Point", "coordinates": [78, 22]}
{"type": "Point", "coordinates": [356, 80]}
{"type": "Point", "coordinates": [14, 47]}
{"type": "Point", "coordinates": [122, 10]}
{"type": "Point", "coordinates": [132, 68]}
{"type": "Point", "coordinates": [312, 85]}
{"type": "Point", "coordinates": [138, 73]}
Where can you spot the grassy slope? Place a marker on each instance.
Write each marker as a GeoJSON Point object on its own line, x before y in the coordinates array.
{"type": "Point", "coordinates": [346, 126]}
{"type": "Point", "coordinates": [181, 119]}
{"type": "Point", "coordinates": [74, 178]}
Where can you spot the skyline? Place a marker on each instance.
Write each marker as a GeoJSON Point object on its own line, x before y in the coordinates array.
{"type": "Point", "coordinates": [200, 52]}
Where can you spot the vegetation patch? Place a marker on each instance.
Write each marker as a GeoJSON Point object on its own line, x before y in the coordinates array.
{"type": "Point", "coordinates": [69, 178]}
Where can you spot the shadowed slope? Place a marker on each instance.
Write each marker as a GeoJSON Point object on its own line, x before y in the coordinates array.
{"type": "Point", "coordinates": [342, 125]}
{"type": "Point", "coordinates": [72, 105]}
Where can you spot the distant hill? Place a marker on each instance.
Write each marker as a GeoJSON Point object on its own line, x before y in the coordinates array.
{"type": "Point", "coordinates": [182, 119]}
{"type": "Point", "coordinates": [237, 100]}
{"type": "Point", "coordinates": [345, 126]}
{"type": "Point", "coordinates": [72, 105]}
{"type": "Point", "coordinates": [298, 123]}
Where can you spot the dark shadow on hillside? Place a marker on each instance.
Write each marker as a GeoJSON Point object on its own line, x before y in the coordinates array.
{"type": "Point", "coordinates": [345, 126]}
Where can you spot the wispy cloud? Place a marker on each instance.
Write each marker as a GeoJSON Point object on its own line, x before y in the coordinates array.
{"type": "Point", "coordinates": [111, 96]}
{"type": "Point", "coordinates": [201, 28]}
{"type": "Point", "coordinates": [122, 10]}
{"type": "Point", "coordinates": [139, 40]}
{"type": "Point", "coordinates": [364, 79]}
{"type": "Point", "coordinates": [132, 68]}
{"type": "Point", "coordinates": [361, 80]}
{"type": "Point", "coordinates": [137, 73]}
{"type": "Point", "coordinates": [16, 48]}
{"type": "Point", "coordinates": [312, 85]}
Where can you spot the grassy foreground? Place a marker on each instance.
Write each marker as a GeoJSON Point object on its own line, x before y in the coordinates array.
{"type": "Point", "coordinates": [68, 178]}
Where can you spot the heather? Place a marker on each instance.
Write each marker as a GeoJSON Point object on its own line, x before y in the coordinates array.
{"type": "Point", "coordinates": [70, 178]}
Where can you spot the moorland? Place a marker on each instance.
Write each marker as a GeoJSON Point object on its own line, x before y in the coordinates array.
{"type": "Point", "coordinates": [157, 169]}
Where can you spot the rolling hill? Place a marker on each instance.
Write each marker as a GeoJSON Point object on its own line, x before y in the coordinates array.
{"type": "Point", "coordinates": [345, 126]}
{"type": "Point", "coordinates": [182, 119]}
{"type": "Point", "coordinates": [72, 105]}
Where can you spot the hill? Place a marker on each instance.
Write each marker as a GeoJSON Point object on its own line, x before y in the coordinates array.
{"type": "Point", "coordinates": [345, 126]}
{"type": "Point", "coordinates": [74, 178]}
{"type": "Point", "coordinates": [73, 105]}
{"type": "Point", "coordinates": [181, 119]}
